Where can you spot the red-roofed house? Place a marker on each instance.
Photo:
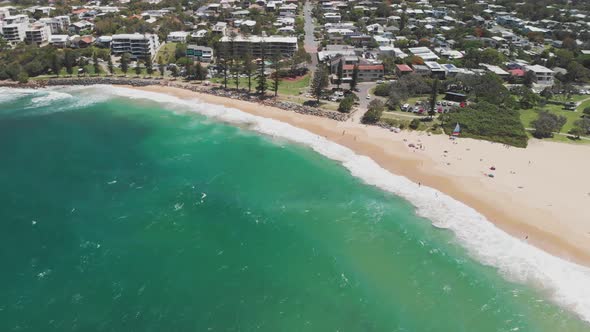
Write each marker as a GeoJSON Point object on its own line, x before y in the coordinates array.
{"type": "Point", "coordinates": [403, 70]}
{"type": "Point", "coordinates": [80, 11]}
{"type": "Point", "coordinates": [367, 73]}
{"type": "Point", "coordinates": [517, 72]}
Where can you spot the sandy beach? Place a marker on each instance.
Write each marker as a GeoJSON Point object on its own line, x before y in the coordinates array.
{"type": "Point", "coordinates": [540, 194]}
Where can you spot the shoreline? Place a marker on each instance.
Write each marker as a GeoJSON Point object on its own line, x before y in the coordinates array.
{"type": "Point", "coordinates": [535, 210]}
{"type": "Point", "coordinates": [514, 210]}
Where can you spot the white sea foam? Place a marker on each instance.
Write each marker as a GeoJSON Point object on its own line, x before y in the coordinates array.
{"type": "Point", "coordinates": [49, 97]}
{"type": "Point", "coordinates": [10, 94]}
{"type": "Point", "coordinates": [567, 283]}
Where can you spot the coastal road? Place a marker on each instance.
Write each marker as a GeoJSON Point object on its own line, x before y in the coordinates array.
{"type": "Point", "coordinates": [311, 45]}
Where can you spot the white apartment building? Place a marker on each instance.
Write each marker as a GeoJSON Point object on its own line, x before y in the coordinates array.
{"type": "Point", "coordinates": [138, 45]}
{"type": "Point", "coordinates": [37, 33]}
{"type": "Point", "coordinates": [4, 12]}
{"type": "Point", "coordinates": [57, 24]}
{"type": "Point", "coordinates": [544, 75]}
{"type": "Point", "coordinates": [14, 28]}
{"type": "Point", "coordinates": [177, 36]}
{"type": "Point", "coordinates": [272, 45]}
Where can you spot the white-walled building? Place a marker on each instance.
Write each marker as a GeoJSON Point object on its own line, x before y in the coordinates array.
{"type": "Point", "coordinates": [272, 45]}
{"type": "Point", "coordinates": [4, 12]}
{"type": "Point", "coordinates": [57, 24]}
{"type": "Point", "coordinates": [177, 36]}
{"type": "Point", "coordinates": [543, 74]}
{"type": "Point", "coordinates": [37, 33]}
{"type": "Point", "coordinates": [138, 45]}
{"type": "Point", "coordinates": [199, 53]}
{"type": "Point", "coordinates": [14, 28]}
{"type": "Point", "coordinates": [60, 41]}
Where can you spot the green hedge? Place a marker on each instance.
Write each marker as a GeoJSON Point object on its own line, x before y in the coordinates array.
{"type": "Point", "coordinates": [486, 121]}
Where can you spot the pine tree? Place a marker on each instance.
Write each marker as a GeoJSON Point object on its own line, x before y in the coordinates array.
{"type": "Point", "coordinates": [433, 96]}
{"type": "Point", "coordinates": [236, 72]}
{"type": "Point", "coordinates": [69, 59]}
{"type": "Point", "coordinates": [110, 65]}
{"type": "Point", "coordinates": [320, 82]}
{"type": "Point", "coordinates": [55, 63]}
{"type": "Point", "coordinates": [125, 59]}
{"type": "Point", "coordinates": [95, 63]}
{"type": "Point", "coordinates": [355, 77]}
{"type": "Point", "coordinates": [189, 71]}
{"type": "Point", "coordinates": [200, 72]}
{"type": "Point", "coordinates": [137, 67]}
{"type": "Point", "coordinates": [276, 65]}
{"type": "Point", "coordinates": [149, 66]}
{"type": "Point", "coordinates": [161, 66]}
{"type": "Point", "coordinates": [249, 68]}
{"type": "Point", "coordinates": [340, 72]}
{"type": "Point", "coordinates": [262, 85]}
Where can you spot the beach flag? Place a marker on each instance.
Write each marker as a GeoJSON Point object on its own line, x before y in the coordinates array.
{"type": "Point", "coordinates": [457, 130]}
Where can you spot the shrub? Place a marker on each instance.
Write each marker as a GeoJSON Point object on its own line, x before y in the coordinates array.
{"type": "Point", "coordinates": [547, 123]}
{"type": "Point", "coordinates": [382, 90]}
{"type": "Point", "coordinates": [374, 113]}
{"type": "Point", "coordinates": [22, 77]}
{"type": "Point", "coordinates": [345, 105]}
{"type": "Point", "coordinates": [415, 124]}
{"type": "Point", "coordinates": [487, 121]}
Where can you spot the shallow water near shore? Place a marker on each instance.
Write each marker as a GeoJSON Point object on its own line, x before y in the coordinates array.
{"type": "Point", "coordinates": [124, 214]}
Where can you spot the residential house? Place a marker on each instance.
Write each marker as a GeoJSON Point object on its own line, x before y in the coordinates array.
{"type": "Point", "coordinates": [59, 41]}
{"type": "Point", "coordinates": [543, 75]}
{"type": "Point", "coordinates": [199, 53]}
{"type": "Point", "coordinates": [178, 36]}
{"type": "Point", "coordinates": [366, 72]}
{"type": "Point", "coordinates": [401, 70]}
{"type": "Point", "coordinates": [423, 52]}
{"type": "Point", "coordinates": [80, 26]}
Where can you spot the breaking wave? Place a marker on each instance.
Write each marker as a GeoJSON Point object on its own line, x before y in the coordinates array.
{"type": "Point", "coordinates": [567, 283]}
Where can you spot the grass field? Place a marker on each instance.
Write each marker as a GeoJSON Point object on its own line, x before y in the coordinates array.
{"type": "Point", "coordinates": [286, 86]}
{"type": "Point", "coordinates": [294, 87]}
{"type": "Point", "coordinates": [527, 116]}
{"type": "Point", "coordinates": [583, 105]}
{"type": "Point", "coordinates": [167, 52]}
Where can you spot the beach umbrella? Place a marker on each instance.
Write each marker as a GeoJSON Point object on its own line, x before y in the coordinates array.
{"type": "Point", "coordinates": [457, 130]}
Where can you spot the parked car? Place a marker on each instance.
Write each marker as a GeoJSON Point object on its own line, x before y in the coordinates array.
{"type": "Point", "coordinates": [405, 107]}
{"type": "Point", "coordinates": [380, 82]}
{"type": "Point", "coordinates": [368, 96]}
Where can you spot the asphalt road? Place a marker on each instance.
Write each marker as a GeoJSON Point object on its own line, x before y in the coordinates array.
{"type": "Point", "coordinates": [364, 88]}
{"type": "Point", "coordinates": [311, 46]}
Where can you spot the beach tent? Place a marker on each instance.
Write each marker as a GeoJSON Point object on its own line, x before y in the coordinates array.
{"type": "Point", "coordinates": [457, 130]}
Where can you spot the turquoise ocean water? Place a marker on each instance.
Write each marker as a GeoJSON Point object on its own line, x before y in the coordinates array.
{"type": "Point", "coordinates": [123, 214]}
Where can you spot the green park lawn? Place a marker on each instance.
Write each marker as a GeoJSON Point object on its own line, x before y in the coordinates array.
{"type": "Point", "coordinates": [294, 87]}
{"type": "Point", "coordinates": [167, 52]}
{"type": "Point", "coordinates": [583, 105]}
{"type": "Point", "coordinates": [286, 86]}
{"type": "Point", "coordinates": [529, 115]}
